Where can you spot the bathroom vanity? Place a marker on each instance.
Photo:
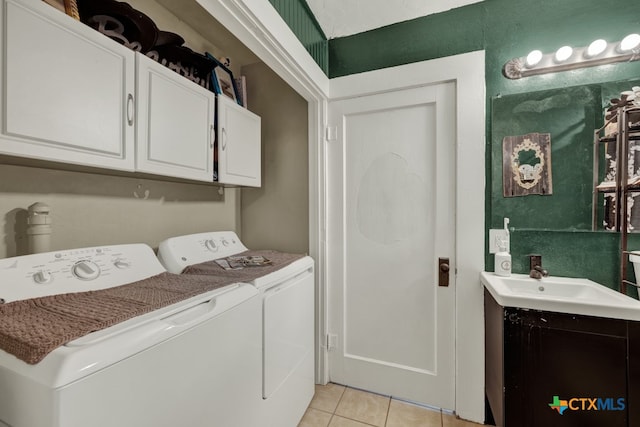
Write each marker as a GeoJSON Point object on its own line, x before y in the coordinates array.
{"type": "Point", "coordinates": [550, 368]}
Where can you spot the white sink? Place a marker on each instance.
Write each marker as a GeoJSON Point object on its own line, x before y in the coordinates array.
{"type": "Point", "coordinates": [560, 294]}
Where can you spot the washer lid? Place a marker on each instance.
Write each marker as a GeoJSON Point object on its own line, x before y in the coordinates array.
{"type": "Point", "coordinates": [98, 350]}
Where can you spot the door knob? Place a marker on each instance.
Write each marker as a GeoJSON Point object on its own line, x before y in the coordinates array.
{"type": "Point", "coordinates": [443, 274]}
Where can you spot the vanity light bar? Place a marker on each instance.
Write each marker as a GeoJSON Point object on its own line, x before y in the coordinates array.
{"type": "Point", "coordinates": [599, 52]}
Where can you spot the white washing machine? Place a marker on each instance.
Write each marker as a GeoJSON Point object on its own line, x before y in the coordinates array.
{"type": "Point", "coordinates": [193, 363]}
{"type": "Point", "coordinates": [288, 317]}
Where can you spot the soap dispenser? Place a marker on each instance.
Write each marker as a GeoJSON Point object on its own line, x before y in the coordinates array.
{"type": "Point", "coordinates": [503, 257]}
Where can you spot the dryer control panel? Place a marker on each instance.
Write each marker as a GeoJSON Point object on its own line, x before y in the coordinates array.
{"type": "Point", "coordinates": [76, 270]}
{"type": "Point", "coordinates": [179, 252]}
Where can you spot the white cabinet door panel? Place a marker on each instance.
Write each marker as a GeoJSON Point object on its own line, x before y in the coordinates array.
{"type": "Point", "coordinates": [68, 89]}
{"type": "Point", "coordinates": [175, 123]}
{"type": "Point", "coordinates": [239, 143]}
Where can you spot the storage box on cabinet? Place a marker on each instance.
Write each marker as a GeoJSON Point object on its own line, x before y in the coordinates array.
{"type": "Point", "coordinates": [68, 90]}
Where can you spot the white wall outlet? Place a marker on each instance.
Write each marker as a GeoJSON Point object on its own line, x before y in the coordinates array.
{"type": "Point", "coordinates": [496, 236]}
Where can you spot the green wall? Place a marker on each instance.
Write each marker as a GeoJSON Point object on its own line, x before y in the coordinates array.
{"type": "Point", "coordinates": [506, 29]}
{"type": "Point", "coordinates": [298, 16]}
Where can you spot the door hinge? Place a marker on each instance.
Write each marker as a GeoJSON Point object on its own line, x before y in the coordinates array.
{"type": "Point", "coordinates": [331, 342]}
{"type": "Point", "coordinates": [331, 133]}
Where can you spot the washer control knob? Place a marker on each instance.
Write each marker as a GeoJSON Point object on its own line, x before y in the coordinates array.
{"type": "Point", "coordinates": [122, 263]}
{"type": "Point", "coordinates": [42, 277]}
{"type": "Point", "coordinates": [86, 270]}
{"type": "Point", "coordinates": [211, 245]}
{"type": "Point", "coordinates": [225, 242]}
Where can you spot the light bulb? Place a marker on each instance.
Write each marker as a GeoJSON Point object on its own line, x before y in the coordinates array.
{"type": "Point", "coordinates": [630, 42]}
{"type": "Point", "coordinates": [596, 48]}
{"type": "Point", "coordinates": [563, 53]}
{"type": "Point", "coordinates": [533, 58]}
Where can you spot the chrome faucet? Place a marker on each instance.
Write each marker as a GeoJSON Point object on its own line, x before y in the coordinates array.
{"type": "Point", "coordinates": [535, 267]}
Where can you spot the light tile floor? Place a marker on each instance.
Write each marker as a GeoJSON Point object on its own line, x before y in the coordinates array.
{"type": "Point", "coordinates": [334, 405]}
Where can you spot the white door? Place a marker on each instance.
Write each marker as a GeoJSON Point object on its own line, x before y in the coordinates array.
{"type": "Point", "coordinates": [391, 190]}
{"type": "Point", "coordinates": [175, 123]}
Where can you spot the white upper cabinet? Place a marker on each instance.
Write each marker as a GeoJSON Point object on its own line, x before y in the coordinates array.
{"type": "Point", "coordinates": [239, 145]}
{"type": "Point", "coordinates": [68, 90]}
{"type": "Point", "coordinates": [175, 130]}
{"type": "Point", "coordinates": [73, 95]}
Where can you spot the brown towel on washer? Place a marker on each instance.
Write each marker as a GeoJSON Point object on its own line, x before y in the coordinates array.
{"type": "Point", "coordinates": [31, 329]}
{"type": "Point", "coordinates": [247, 274]}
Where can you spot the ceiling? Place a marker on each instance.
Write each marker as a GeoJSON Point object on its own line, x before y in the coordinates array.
{"type": "Point", "coordinates": [340, 18]}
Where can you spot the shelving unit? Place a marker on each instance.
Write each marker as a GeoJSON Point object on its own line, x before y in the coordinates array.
{"type": "Point", "coordinates": [625, 182]}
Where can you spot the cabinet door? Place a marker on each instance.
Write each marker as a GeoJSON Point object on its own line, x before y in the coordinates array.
{"type": "Point", "coordinates": [68, 90]}
{"type": "Point", "coordinates": [494, 319]}
{"type": "Point", "coordinates": [238, 144]}
{"type": "Point", "coordinates": [561, 360]}
{"type": "Point", "coordinates": [633, 381]}
{"type": "Point", "coordinates": [175, 123]}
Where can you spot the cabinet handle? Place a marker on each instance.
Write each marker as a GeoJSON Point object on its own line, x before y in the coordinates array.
{"type": "Point", "coordinates": [130, 109]}
{"type": "Point", "coordinates": [224, 139]}
{"type": "Point", "coordinates": [212, 137]}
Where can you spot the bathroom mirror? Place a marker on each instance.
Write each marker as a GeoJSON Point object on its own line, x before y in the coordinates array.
{"type": "Point", "coordinates": [570, 115]}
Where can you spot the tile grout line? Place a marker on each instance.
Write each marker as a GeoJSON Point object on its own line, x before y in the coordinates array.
{"type": "Point", "coordinates": [337, 404]}
{"type": "Point", "coordinates": [353, 419]}
{"type": "Point", "coordinates": [386, 420]}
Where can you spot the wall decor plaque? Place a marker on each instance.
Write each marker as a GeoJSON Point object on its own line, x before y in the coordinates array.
{"type": "Point", "coordinates": [526, 165]}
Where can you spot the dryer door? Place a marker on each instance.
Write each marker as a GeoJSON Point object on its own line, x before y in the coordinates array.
{"type": "Point", "coordinates": [288, 332]}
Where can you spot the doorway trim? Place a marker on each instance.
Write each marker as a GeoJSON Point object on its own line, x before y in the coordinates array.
{"type": "Point", "coordinates": [257, 24]}
{"type": "Point", "coordinates": [467, 71]}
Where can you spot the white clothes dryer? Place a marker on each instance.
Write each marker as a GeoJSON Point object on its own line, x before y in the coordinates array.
{"type": "Point", "coordinates": [192, 363]}
{"type": "Point", "coordinates": [288, 381]}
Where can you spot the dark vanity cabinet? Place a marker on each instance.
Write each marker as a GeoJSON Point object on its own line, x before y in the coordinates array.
{"type": "Point", "coordinates": [546, 369]}
{"type": "Point", "coordinates": [634, 373]}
